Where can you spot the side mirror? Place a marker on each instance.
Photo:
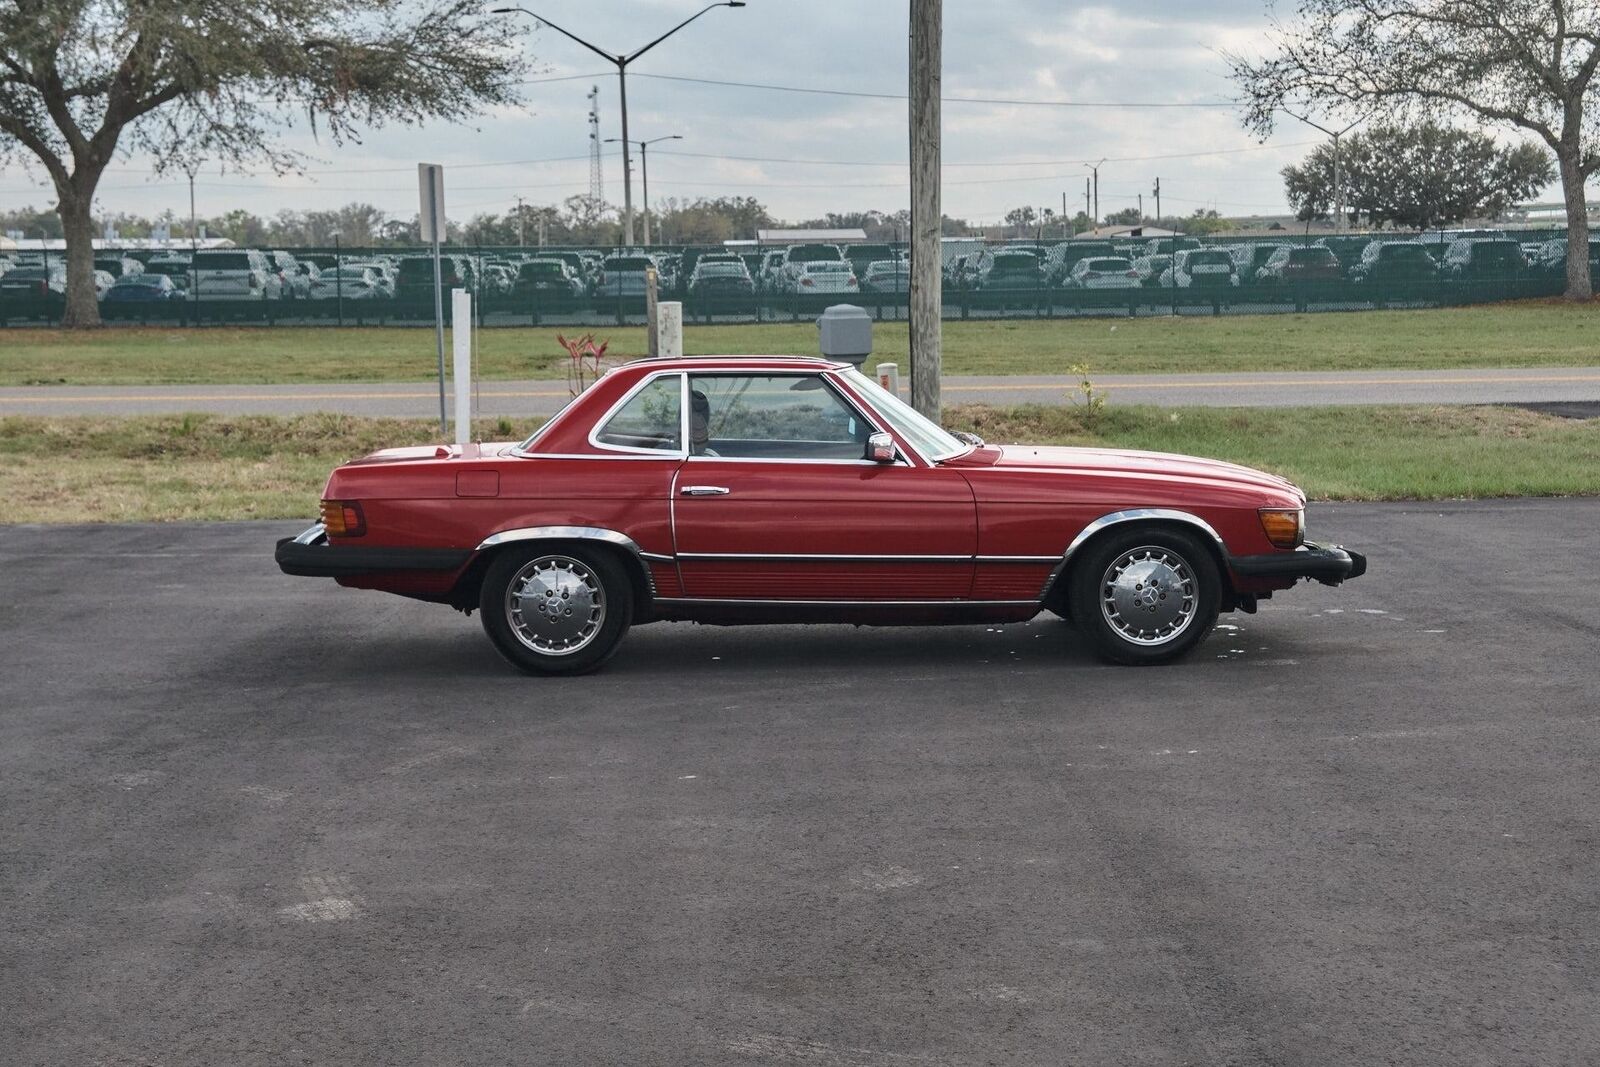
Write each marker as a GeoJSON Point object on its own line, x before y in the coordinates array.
{"type": "Point", "coordinates": [880, 448]}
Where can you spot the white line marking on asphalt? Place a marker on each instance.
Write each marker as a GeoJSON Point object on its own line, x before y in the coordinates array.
{"type": "Point", "coordinates": [330, 898]}
{"type": "Point", "coordinates": [405, 766]}
{"type": "Point", "coordinates": [885, 879]}
{"type": "Point", "coordinates": [139, 779]}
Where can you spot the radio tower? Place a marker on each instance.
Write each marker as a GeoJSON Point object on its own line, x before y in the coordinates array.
{"type": "Point", "coordinates": [596, 185]}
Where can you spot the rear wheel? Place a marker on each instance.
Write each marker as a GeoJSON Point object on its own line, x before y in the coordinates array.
{"type": "Point", "coordinates": [1146, 595]}
{"type": "Point", "coordinates": [556, 611]}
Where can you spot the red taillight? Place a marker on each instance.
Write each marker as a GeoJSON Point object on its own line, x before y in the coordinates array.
{"type": "Point", "coordinates": [343, 518]}
{"type": "Point", "coordinates": [1133, 274]}
{"type": "Point", "coordinates": [852, 280]}
{"type": "Point", "coordinates": [806, 281]}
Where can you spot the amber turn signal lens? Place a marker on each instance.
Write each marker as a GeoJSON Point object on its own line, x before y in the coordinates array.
{"type": "Point", "coordinates": [1285, 527]}
{"type": "Point", "coordinates": [343, 518]}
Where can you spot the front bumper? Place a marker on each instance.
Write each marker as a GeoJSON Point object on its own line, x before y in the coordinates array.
{"type": "Point", "coordinates": [1330, 566]}
{"type": "Point", "coordinates": [310, 556]}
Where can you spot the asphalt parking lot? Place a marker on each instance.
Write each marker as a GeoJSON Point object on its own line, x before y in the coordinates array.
{"type": "Point", "coordinates": [252, 819]}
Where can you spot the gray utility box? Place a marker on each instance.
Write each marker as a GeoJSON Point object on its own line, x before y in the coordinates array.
{"type": "Point", "coordinates": [846, 333]}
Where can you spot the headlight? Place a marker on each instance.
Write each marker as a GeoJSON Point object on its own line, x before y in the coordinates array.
{"type": "Point", "coordinates": [1285, 527]}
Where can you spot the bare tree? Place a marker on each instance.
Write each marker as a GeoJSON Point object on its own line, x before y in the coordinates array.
{"type": "Point", "coordinates": [81, 80]}
{"type": "Point", "coordinates": [1528, 64]}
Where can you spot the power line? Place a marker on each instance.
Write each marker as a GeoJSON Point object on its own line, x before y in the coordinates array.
{"type": "Point", "coordinates": [862, 95]}
{"type": "Point", "coordinates": [992, 163]}
{"type": "Point", "coordinates": [712, 155]}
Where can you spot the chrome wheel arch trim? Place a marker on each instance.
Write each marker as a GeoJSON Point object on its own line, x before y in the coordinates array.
{"type": "Point", "coordinates": [1118, 518]}
{"type": "Point", "coordinates": [578, 533]}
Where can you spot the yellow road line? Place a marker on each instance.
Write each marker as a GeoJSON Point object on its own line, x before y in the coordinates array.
{"type": "Point", "coordinates": [246, 396]}
{"type": "Point", "coordinates": [1280, 384]}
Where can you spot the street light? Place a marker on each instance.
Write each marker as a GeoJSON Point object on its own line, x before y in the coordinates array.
{"type": "Point", "coordinates": [1094, 219]}
{"type": "Point", "coordinates": [621, 61]}
{"type": "Point", "coordinates": [1338, 169]}
{"type": "Point", "coordinates": [644, 172]}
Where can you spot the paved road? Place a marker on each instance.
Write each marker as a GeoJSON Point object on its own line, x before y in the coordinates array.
{"type": "Point", "coordinates": [516, 399]}
{"type": "Point", "coordinates": [255, 820]}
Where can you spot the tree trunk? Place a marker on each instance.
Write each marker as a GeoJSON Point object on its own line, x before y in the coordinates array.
{"type": "Point", "coordinates": [1579, 284]}
{"type": "Point", "coordinates": [83, 303]}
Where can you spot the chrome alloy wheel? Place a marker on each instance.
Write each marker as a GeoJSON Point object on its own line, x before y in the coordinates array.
{"type": "Point", "coordinates": [1147, 595]}
{"type": "Point", "coordinates": [555, 605]}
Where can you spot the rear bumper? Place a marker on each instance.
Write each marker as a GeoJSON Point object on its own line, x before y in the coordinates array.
{"type": "Point", "coordinates": [1330, 566]}
{"type": "Point", "coordinates": [310, 556]}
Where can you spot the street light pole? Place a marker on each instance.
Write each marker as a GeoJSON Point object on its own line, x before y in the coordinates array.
{"type": "Point", "coordinates": [1338, 168]}
{"type": "Point", "coordinates": [1094, 221]}
{"type": "Point", "coordinates": [620, 60]}
{"type": "Point", "coordinates": [644, 173]}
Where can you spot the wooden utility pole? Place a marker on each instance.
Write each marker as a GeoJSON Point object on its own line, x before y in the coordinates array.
{"type": "Point", "coordinates": [927, 298]}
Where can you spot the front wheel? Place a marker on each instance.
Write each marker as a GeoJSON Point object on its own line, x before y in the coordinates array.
{"type": "Point", "coordinates": [556, 611]}
{"type": "Point", "coordinates": [1146, 595]}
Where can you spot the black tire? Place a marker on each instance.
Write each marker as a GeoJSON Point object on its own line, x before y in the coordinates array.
{"type": "Point", "coordinates": [1185, 573]}
{"type": "Point", "coordinates": [566, 574]}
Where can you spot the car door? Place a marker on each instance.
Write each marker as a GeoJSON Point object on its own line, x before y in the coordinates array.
{"type": "Point", "coordinates": [775, 501]}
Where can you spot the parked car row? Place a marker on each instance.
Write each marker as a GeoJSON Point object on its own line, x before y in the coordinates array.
{"type": "Point", "coordinates": [572, 278]}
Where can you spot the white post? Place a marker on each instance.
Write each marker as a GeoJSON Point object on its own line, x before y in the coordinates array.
{"type": "Point", "coordinates": [461, 338]}
{"type": "Point", "coordinates": [652, 346]}
{"type": "Point", "coordinates": [889, 377]}
{"type": "Point", "coordinates": [669, 329]}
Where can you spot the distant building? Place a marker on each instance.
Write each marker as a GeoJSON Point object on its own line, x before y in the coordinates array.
{"type": "Point", "coordinates": [807, 237]}
{"type": "Point", "coordinates": [1106, 233]}
{"type": "Point", "coordinates": [57, 244]}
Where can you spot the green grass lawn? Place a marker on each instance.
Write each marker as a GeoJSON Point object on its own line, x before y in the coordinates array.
{"type": "Point", "coordinates": [1527, 334]}
{"type": "Point", "coordinates": [189, 467]}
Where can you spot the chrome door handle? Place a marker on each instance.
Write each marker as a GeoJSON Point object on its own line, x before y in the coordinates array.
{"type": "Point", "coordinates": [703, 490]}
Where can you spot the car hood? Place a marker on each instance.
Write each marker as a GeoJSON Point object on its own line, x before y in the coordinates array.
{"type": "Point", "coordinates": [1164, 465]}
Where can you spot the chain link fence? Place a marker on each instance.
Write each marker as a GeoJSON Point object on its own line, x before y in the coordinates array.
{"type": "Point", "coordinates": [983, 279]}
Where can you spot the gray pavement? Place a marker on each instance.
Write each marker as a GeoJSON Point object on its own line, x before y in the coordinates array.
{"type": "Point", "coordinates": [525, 398]}
{"type": "Point", "coordinates": [259, 820]}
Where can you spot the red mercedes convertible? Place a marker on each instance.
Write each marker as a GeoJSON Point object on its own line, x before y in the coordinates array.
{"type": "Point", "coordinates": [766, 489]}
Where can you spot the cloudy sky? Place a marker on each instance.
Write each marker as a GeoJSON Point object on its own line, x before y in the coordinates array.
{"type": "Point", "coordinates": [805, 153]}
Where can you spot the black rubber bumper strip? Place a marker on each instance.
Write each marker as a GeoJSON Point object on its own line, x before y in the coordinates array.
{"type": "Point", "coordinates": [1327, 565]}
{"type": "Point", "coordinates": [325, 561]}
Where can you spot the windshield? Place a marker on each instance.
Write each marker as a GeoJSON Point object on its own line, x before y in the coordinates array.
{"type": "Point", "coordinates": [222, 261]}
{"type": "Point", "coordinates": [924, 436]}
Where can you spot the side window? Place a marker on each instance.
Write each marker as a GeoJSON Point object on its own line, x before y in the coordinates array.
{"type": "Point", "coordinates": [650, 421]}
{"type": "Point", "coordinates": [772, 417]}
